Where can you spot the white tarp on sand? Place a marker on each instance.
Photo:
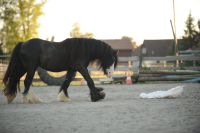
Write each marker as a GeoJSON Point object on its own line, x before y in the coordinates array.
{"type": "Point", "coordinates": [171, 93]}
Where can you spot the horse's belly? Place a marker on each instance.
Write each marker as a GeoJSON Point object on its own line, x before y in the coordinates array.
{"type": "Point", "coordinates": [53, 68]}
{"type": "Point", "coordinates": [54, 65]}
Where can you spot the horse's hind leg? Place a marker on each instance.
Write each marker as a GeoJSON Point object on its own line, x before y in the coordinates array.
{"type": "Point", "coordinates": [63, 94]}
{"type": "Point", "coordinates": [29, 97]}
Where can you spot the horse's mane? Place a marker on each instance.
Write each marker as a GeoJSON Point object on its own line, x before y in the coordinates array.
{"type": "Point", "coordinates": [90, 49]}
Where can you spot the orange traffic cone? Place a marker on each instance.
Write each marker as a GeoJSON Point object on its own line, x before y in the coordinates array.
{"type": "Point", "coordinates": [128, 79]}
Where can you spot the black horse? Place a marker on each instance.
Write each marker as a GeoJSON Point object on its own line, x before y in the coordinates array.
{"type": "Point", "coordinates": [71, 55]}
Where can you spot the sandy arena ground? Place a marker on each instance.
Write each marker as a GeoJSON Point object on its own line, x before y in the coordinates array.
{"type": "Point", "coordinates": [122, 111]}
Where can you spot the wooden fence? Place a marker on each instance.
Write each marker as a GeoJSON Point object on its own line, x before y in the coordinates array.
{"type": "Point", "coordinates": [167, 68]}
{"type": "Point", "coordinates": [146, 68]}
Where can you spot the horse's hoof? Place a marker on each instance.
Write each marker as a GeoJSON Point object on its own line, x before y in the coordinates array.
{"type": "Point", "coordinates": [99, 89]}
{"type": "Point", "coordinates": [65, 99]}
{"type": "Point", "coordinates": [102, 94]}
{"type": "Point", "coordinates": [10, 98]}
{"type": "Point", "coordinates": [31, 98]}
{"type": "Point", "coordinates": [62, 97]}
{"type": "Point", "coordinates": [99, 96]}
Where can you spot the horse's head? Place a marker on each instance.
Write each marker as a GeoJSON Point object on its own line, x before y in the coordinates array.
{"type": "Point", "coordinates": [109, 62]}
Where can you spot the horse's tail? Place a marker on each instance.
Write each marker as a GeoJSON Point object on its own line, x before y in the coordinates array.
{"type": "Point", "coordinates": [13, 74]}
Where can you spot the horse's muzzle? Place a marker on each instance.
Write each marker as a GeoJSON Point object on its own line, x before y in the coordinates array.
{"type": "Point", "coordinates": [110, 71]}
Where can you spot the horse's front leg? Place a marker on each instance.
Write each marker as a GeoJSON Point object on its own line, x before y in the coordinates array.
{"type": "Point", "coordinates": [96, 94]}
{"type": "Point", "coordinates": [63, 94]}
{"type": "Point", "coordinates": [29, 97]}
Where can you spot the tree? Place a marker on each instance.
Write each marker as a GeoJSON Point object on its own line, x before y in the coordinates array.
{"type": "Point", "coordinates": [19, 20]}
{"type": "Point", "coordinates": [131, 40]}
{"type": "Point", "coordinates": [192, 36]}
{"type": "Point", "coordinates": [197, 36]}
{"type": "Point", "coordinates": [75, 32]}
{"type": "Point", "coordinates": [29, 11]}
{"type": "Point", "coordinates": [8, 31]}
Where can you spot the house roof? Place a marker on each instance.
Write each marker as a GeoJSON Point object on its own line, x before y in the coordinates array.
{"type": "Point", "coordinates": [119, 44]}
{"type": "Point", "coordinates": [159, 47]}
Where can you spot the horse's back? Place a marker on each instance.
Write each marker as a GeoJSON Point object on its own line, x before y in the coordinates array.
{"type": "Point", "coordinates": [31, 51]}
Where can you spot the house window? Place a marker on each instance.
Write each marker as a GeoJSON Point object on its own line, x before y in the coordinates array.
{"type": "Point", "coordinates": [144, 51]}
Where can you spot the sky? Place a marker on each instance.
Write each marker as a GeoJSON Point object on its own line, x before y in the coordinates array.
{"type": "Point", "coordinates": [112, 19]}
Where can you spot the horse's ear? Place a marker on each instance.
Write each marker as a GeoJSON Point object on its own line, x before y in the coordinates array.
{"type": "Point", "coordinates": [116, 52]}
